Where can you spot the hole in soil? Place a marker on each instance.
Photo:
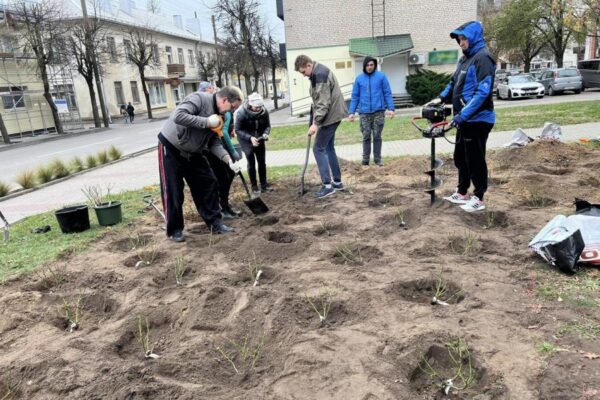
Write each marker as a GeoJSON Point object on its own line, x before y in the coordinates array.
{"type": "Point", "coordinates": [354, 254]}
{"type": "Point", "coordinates": [329, 228]}
{"type": "Point", "coordinates": [130, 243]}
{"type": "Point", "coordinates": [537, 201]}
{"type": "Point", "coordinates": [487, 219]}
{"type": "Point", "coordinates": [217, 305]}
{"type": "Point", "coordinates": [266, 220]}
{"type": "Point", "coordinates": [386, 185]}
{"type": "Point", "coordinates": [99, 303]}
{"type": "Point", "coordinates": [455, 360]}
{"type": "Point", "coordinates": [297, 311]}
{"type": "Point", "coordinates": [145, 258]}
{"type": "Point", "coordinates": [423, 290]}
{"type": "Point", "coordinates": [556, 170]}
{"type": "Point", "coordinates": [280, 237]}
{"type": "Point", "coordinates": [108, 280]}
{"type": "Point", "coordinates": [498, 180]}
{"type": "Point", "coordinates": [466, 244]}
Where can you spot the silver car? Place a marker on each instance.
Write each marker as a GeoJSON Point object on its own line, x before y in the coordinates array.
{"type": "Point", "coordinates": [560, 80]}
{"type": "Point", "coordinates": [518, 86]}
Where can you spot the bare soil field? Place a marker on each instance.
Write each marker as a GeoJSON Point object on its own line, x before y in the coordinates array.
{"type": "Point", "coordinates": [343, 306]}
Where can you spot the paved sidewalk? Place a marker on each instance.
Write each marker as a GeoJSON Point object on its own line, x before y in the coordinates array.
{"type": "Point", "coordinates": [140, 171]}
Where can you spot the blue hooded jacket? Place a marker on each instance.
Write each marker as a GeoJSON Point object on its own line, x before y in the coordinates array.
{"type": "Point", "coordinates": [470, 88]}
{"type": "Point", "coordinates": [371, 92]}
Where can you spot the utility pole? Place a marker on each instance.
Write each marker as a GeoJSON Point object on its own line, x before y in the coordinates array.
{"type": "Point", "coordinates": [217, 52]}
{"type": "Point", "coordinates": [89, 46]}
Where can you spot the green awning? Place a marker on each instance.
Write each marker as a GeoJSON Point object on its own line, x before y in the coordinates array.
{"type": "Point", "coordinates": [381, 46]}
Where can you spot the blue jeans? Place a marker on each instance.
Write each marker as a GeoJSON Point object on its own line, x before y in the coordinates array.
{"type": "Point", "coordinates": [325, 154]}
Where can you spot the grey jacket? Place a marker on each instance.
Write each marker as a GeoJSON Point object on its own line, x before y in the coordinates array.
{"type": "Point", "coordinates": [186, 127]}
{"type": "Point", "coordinates": [328, 102]}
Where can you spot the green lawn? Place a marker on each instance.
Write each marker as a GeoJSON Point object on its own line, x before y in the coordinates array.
{"type": "Point", "coordinates": [399, 128]}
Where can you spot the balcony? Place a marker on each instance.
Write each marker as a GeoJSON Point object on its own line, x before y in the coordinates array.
{"type": "Point", "coordinates": [176, 70]}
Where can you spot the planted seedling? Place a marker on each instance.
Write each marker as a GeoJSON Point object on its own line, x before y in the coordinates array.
{"type": "Point", "coordinates": [71, 312]}
{"type": "Point", "coordinates": [146, 257]}
{"type": "Point", "coordinates": [213, 238]}
{"type": "Point", "coordinates": [179, 270]}
{"type": "Point", "coordinates": [255, 269]}
{"type": "Point", "coordinates": [441, 291]}
{"type": "Point", "coordinates": [350, 253]}
{"type": "Point", "coordinates": [321, 303]}
{"type": "Point", "coordinates": [143, 334]}
{"type": "Point", "coordinates": [51, 277]}
{"type": "Point", "coordinates": [399, 217]}
{"type": "Point", "coordinates": [245, 353]}
{"type": "Point", "coordinates": [137, 241]}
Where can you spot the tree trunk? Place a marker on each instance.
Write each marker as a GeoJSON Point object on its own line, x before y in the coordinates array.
{"type": "Point", "coordinates": [275, 96]}
{"type": "Point", "coordinates": [90, 85]}
{"type": "Point", "coordinates": [146, 93]}
{"type": "Point", "coordinates": [265, 84]}
{"type": "Point", "coordinates": [256, 80]}
{"type": "Point", "coordinates": [4, 132]}
{"type": "Point", "coordinates": [239, 81]}
{"type": "Point", "coordinates": [48, 97]}
{"type": "Point", "coordinates": [103, 108]}
{"type": "Point", "coordinates": [248, 83]}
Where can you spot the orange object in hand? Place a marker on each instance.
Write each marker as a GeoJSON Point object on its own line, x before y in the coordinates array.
{"type": "Point", "coordinates": [219, 129]}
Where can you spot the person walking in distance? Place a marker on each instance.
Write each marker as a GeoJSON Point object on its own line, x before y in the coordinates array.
{"type": "Point", "coordinates": [130, 112]}
{"type": "Point", "coordinates": [372, 96]}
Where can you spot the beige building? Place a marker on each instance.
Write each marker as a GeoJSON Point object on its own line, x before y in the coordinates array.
{"type": "Point", "coordinates": [402, 35]}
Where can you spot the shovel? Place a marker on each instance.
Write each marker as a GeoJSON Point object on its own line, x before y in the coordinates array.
{"type": "Point", "coordinates": [150, 204]}
{"type": "Point", "coordinates": [302, 190]}
{"type": "Point", "coordinates": [6, 228]}
{"type": "Point", "coordinates": [256, 205]}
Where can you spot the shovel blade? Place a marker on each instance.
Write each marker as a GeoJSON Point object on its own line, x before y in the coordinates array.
{"type": "Point", "coordinates": [257, 206]}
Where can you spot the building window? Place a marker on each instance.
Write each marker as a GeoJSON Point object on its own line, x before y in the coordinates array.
{"type": "Point", "coordinates": [157, 93]}
{"type": "Point", "coordinates": [340, 65]}
{"type": "Point", "coordinates": [65, 92]}
{"type": "Point", "coordinates": [169, 54]}
{"type": "Point", "coordinates": [127, 50]}
{"type": "Point", "coordinates": [135, 93]}
{"type": "Point", "coordinates": [155, 55]}
{"type": "Point", "coordinates": [112, 49]}
{"type": "Point", "coordinates": [191, 57]}
{"type": "Point", "coordinates": [119, 93]}
{"type": "Point", "coordinates": [348, 64]}
{"type": "Point", "coordinates": [13, 97]}
{"type": "Point", "coordinates": [180, 56]}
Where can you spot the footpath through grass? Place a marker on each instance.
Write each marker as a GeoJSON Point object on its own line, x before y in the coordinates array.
{"type": "Point", "coordinates": [400, 128]}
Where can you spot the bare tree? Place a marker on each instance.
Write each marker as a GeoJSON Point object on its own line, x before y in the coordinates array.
{"type": "Point", "coordinates": [206, 65]}
{"type": "Point", "coordinates": [154, 6]}
{"type": "Point", "coordinates": [40, 29]}
{"type": "Point", "coordinates": [142, 50]}
{"type": "Point", "coordinates": [270, 49]}
{"type": "Point", "coordinates": [242, 25]}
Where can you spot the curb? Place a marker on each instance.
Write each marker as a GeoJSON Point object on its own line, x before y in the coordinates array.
{"type": "Point", "coordinates": [6, 147]}
{"type": "Point", "coordinates": [55, 181]}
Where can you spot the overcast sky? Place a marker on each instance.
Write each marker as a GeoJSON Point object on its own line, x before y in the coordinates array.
{"type": "Point", "coordinates": [186, 8]}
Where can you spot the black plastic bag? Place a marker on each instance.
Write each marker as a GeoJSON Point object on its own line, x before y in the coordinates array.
{"type": "Point", "coordinates": [566, 252]}
{"type": "Point", "coordinates": [586, 208]}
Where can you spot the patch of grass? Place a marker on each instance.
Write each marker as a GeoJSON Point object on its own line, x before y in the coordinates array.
{"type": "Point", "coordinates": [76, 164]}
{"type": "Point", "coordinates": [26, 179]}
{"type": "Point", "coordinates": [581, 290]}
{"type": "Point", "coordinates": [4, 189]}
{"type": "Point", "coordinates": [114, 153]}
{"type": "Point", "coordinates": [44, 174]}
{"type": "Point", "coordinates": [244, 355]}
{"type": "Point", "coordinates": [348, 253]}
{"type": "Point", "coordinates": [399, 128]}
{"type": "Point", "coordinates": [91, 161]}
{"type": "Point", "coordinates": [546, 348]}
{"type": "Point", "coordinates": [467, 245]}
{"type": "Point", "coordinates": [102, 157]}
{"type": "Point", "coordinates": [27, 252]}
{"type": "Point", "coordinates": [593, 144]}
{"type": "Point", "coordinates": [59, 169]}
{"type": "Point", "coordinates": [587, 329]}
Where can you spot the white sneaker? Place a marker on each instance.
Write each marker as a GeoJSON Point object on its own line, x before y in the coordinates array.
{"type": "Point", "coordinates": [473, 205]}
{"type": "Point", "coordinates": [458, 198]}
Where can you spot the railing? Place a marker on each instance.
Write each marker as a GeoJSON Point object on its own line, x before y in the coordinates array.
{"type": "Point", "coordinates": [305, 108]}
{"type": "Point", "coordinates": [176, 70]}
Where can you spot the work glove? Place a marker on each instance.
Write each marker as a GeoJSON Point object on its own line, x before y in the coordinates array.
{"type": "Point", "coordinates": [265, 136]}
{"type": "Point", "coordinates": [235, 166]}
{"type": "Point", "coordinates": [437, 100]}
{"type": "Point", "coordinates": [456, 121]}
{"type": "Point", "coordinates": [213, 121]}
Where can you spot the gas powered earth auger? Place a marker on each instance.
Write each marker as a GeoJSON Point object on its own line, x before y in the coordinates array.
{"type": "Point", "coordinates": [437, 126]}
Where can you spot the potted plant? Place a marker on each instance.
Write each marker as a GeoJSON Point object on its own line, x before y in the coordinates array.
{"type": "Point", "coordinates": [108, 211]}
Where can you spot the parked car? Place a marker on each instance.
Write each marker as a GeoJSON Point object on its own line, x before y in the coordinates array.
{"type": "Point", "coordinates": [518, 86]}
{"type": "Point", "coordinates": [590, 72]}
{"type": "Point", "coordinates": [559, 80]}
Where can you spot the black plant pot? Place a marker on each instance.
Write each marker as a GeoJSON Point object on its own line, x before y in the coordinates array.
{"type": "Point", "coordinates": [73, 219]}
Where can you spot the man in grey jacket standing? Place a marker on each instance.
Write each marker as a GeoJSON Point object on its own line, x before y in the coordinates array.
{"type": "Point", "coordinates": [183, 142]}
{"type": "Point", "coordinates": [327, 112]}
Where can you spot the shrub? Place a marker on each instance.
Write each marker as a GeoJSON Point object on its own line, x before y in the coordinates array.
{"type": "Point", "coordinates": [102, 157]}
{"type": "Point", "coordinates": [59, 169]}
{"type": "Point", "coordinates": [90, 161]}
{"type": "Point", "coordinates": [76, 164]}
{"type": "Point", "coordinates": [4, 189]}
{"type": "Point", "coordinates": [44, 174]}
{"type": "Point", "coordinates": [114, 153]}
{"type": "Point", "coordinates": [26, 179]}
{"type": "Point", "coordinates": [426, 85]}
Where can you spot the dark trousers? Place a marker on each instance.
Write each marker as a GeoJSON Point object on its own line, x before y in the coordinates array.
{"type": "Point", "coordinates": [469, 157]}
{"type": "Point", "coordinates": [173, 169]}
{"type": "Point", "coordinates": [324, 151]}
{"type": "Point", "coordinates": [224, 176]}
{"type": "Point", "coordinates": [255, 155]}
{"type": "Point", "coordinates": [371, 125]}
{"type": "Point", "coordinates": [131, 117]}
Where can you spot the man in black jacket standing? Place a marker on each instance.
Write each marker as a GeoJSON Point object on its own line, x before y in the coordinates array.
{"type": "Point", "coordinates": [184, 141]}
{"type": "Point", "coordinates": [252, 127]}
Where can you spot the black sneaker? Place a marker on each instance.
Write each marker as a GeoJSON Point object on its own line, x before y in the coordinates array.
{"type": "Point", "coordinates": [177, 236]}
{"type": "Point", "coordinates": [338, 186]}
{"type": "Point", "coordinates": [231, 211]}
{"type": "Point", "coordinates": [324, 192]}
{"type": "Point", "coordinates": [221, 228]}
{"type": "Point", "coordinates": [379, 163]}
{"type": "Point", "coordinates": [365, 162]}
{"type": "Point", "coordinates": [266, 188]}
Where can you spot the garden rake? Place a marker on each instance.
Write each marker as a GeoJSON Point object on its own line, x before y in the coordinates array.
{"type": "Point", "coordinates": [151, 204]}
{"type": "Point", "coordinates": [6, 227]}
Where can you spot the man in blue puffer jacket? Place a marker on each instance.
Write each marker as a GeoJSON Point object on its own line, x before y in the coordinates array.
{"type": "Point", "coordinates": [470, 91]}
{"type": "Point", "coordinates": [372, 95]}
